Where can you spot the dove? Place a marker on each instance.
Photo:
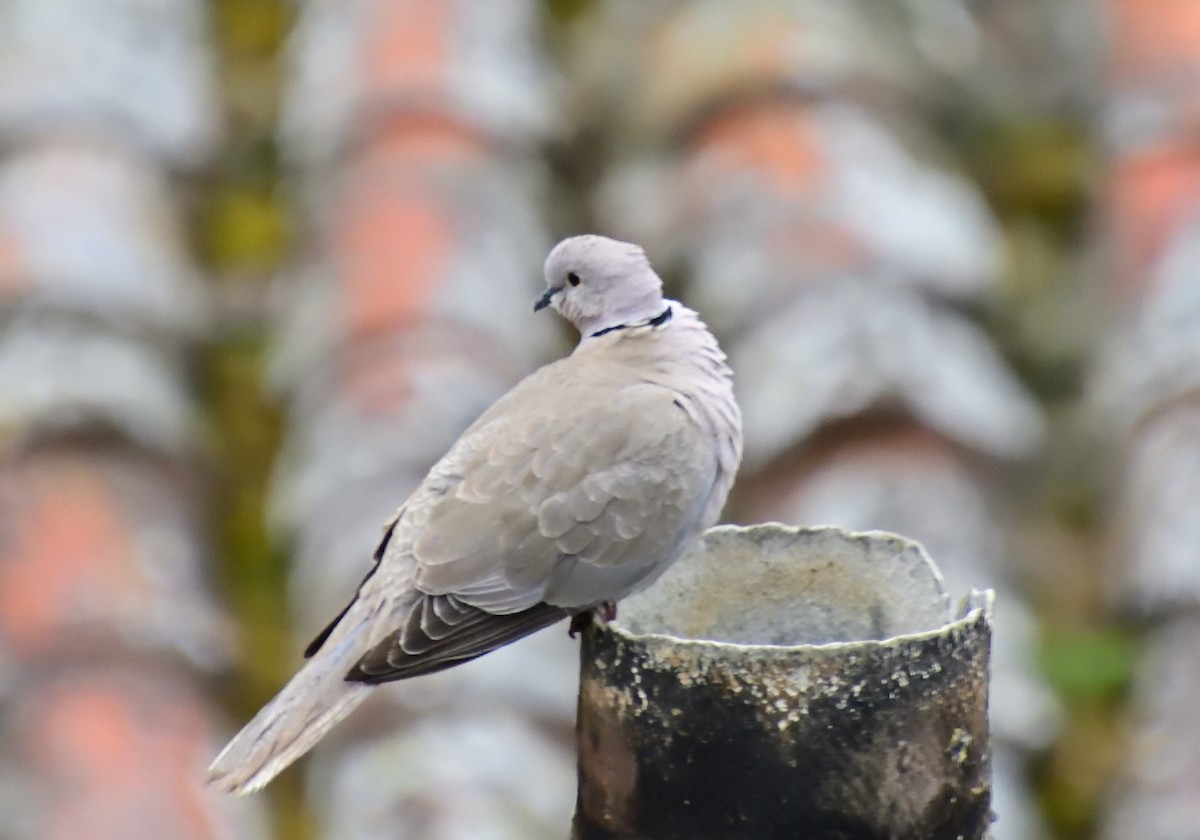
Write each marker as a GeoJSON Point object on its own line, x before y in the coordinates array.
{"type": "Point", "coordinates": [577, 488]}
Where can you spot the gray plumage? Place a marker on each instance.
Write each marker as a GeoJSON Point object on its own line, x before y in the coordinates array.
{"type": "Point", "coordinates": [578, 487]}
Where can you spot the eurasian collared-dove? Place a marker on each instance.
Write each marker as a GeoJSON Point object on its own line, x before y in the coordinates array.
{"type": "Point", "coordinates": [577, 488]}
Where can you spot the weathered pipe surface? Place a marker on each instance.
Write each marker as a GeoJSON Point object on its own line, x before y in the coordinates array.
{"type": "Point", "coordinates": [785, 683]}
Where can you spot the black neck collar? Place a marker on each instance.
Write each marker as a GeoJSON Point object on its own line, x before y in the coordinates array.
{"type": "Point", "coordinates": [656, 321]}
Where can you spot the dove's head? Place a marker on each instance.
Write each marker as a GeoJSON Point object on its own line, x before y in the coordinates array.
{"type": "Point", "coordinates": [596, 283]}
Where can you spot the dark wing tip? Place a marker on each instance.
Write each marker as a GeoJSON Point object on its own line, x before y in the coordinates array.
{"type": "Point", "coordinates": [457, 633]}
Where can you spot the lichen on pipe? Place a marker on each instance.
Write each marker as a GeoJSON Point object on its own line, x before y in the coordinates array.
{"type": "Point", "coordinates": [782, 683]}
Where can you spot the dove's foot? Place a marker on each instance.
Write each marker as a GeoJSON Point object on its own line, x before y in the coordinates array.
{"type": "Point", "coordinates": [581, 621]}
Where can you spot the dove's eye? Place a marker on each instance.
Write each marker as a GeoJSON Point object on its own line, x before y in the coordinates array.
{"type": "Point", "coordinates": [573, 278]}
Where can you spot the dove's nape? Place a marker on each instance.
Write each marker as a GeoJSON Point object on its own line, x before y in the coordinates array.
{"type": "Point", "coordinates": [577, 488]}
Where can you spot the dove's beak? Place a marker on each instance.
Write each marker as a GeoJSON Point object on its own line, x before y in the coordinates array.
{"type": "Point", "coordinates": [544, 300]}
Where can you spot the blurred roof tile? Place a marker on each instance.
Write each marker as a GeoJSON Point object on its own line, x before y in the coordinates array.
{"type": "Point", "coordinates": [1156, 514]}
{"type": "Point", "coordinates": [1159, 42]}
{"type": "Point", "coordinates": [101, 552]}
{"type": "Point", "coordinates": [407, 46]}
{"type": "Point", "coordinates": [1151, 192]}
{"type": "Point", "coordinates": [1152, 357]}
{"type": "Point", "coordinates": [92, 231]}
{"type": "Point", "coordinates": [693, 56]}
{"type": "Point", "coordinates": [118, 754]}
{"type": "Point", "coordinates": [62, 375]}
{"type": "Point", "coordinates": [852, 345]}
{"type": "Point", "coordinates": [780, 194]}
{"type": "Point", "coordinates": [133, 71]}
{"type": "Point", "coordinates": [477, 62]}
{"type": "Point", "coordinates": [418, 244]}
{"type": "Point", "coordinates": [1154, 797]}
{"type": "Point", "coordinates": [774, 140]}
{"type": "Point", "coordinates": [392, 250]}
{"type": "Point", "coordinates": [446, 778]}
{"type": "Point", "coordinates": [1154, 72]}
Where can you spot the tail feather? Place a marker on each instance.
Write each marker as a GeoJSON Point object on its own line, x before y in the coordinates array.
{"type": "Point", "coordinates": [316, 699]}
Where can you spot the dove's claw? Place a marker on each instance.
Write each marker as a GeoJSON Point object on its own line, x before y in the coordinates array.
{"type": "Point", "coordinates": [580, 621]}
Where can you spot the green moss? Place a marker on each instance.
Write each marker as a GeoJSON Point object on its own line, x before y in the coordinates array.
{"type": "Point", "coordinates": [1090, 666]}
{"type": "Point", "coordinates": [247, 229]}
{"type": "Point", "coordinates": [254, 27]}
{"type": "Point", "coordinates": [566, 10]}
{"type": "Point", "coordinates": [243, 230]}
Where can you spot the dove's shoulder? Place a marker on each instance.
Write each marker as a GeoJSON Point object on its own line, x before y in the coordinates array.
{"type": "Point", "coordinates": [548, 403]}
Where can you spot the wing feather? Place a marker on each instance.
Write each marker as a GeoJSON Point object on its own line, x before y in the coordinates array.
{"type": "Point", "coordinates": [442, 631]}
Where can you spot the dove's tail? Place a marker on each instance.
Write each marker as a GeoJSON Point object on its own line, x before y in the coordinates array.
{"type": "Point", "coordinates": [308, 706]}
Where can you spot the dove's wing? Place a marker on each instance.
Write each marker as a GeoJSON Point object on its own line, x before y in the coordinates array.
{"type": "Point", "coordinates": [573, 490]}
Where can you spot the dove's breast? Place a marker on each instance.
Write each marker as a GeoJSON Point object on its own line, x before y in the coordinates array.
{"type": "Point", "coordinates": [686, 359]}
{"type": "Point", "coordinates": [685, 474]}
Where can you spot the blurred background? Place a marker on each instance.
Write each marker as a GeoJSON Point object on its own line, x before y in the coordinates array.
{"type": "Point", "coordinates": [261, 261]}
